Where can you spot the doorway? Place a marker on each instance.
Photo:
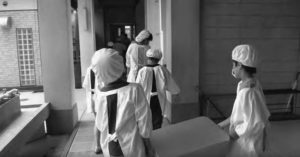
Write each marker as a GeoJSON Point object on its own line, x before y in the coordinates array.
{"type": "Point", "coordinates": [115, 31]}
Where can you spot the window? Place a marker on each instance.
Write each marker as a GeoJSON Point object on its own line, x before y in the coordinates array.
{"type": "Point", "coordinates": [26, 56]}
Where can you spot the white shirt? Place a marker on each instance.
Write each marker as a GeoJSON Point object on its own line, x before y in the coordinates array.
{"type": "Point", "coordinates": [164, 82]}
{"type": "Point", "coordinates": [249, 119]}
{"type": "Point", "coordinates": [87, 85]}
{"type": "Point", "coordinates": [133, 120]}
{"type": "Point", "coordinates": [135, 59]}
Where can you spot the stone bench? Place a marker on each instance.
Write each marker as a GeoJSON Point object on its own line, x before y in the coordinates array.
{"type": "Point", "coordinates": [21, 129]}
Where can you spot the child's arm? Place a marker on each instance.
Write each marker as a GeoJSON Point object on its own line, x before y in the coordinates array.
{"type": "Point", "coordinates": [144, 120]}
{"type": "Point", "coordinates": [224, 123]}
{"type": "Point", "coordinates": [171, 85]}
{"type": "Point", "coordinates": [167, 114]}
{"type": "Point", "coordinates": [166, 122]}
{"type": "Point", "coordinates": [232, 133]}
{"type": "Point", "coordinates": [86, 81]}
{"type": "Point", "coordinates": [143, 113]}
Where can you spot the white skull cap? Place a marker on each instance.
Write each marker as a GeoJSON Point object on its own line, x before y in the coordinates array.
{"type": "Point", "coordinates": [108, 65]}
{"type": "Point", "coordinates": [156, 53]}
{"type": "Point", "coordinates": [144, 34]}
{"type": "Point", "coordinates": [245, 54]}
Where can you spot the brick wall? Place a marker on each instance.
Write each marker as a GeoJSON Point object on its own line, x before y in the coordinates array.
{"type": "Point", "coordinates": [9, 70]}
{"type": "Point", "coordinates": [271, 25]}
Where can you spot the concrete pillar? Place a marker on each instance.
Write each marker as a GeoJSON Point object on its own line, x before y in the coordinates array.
{"type": "Point", "coordinates": [86, 33]}
{"type": "Point", "coordinates": [166, 32]}
{"type": "Point", "coordinates": [185, 55]}
{"type": "Point", "coordinates": [180, 25]}
{"type": "Point", "coordinates": [153, 22]}
{"type": "Point", "coordinates": [57, 64]}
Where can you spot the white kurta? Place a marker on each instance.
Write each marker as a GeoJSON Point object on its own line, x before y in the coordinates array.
{"type": "Point", "coordinates": [133, 120]}
{"type": "Point", "coordinates": [249, 119]}
{"type": "Point", "coordinates": [164, 83]}
{"type": "Point", "coordinates": [87, 85]}
{"type": "Point", "coordinates": [135, 59]}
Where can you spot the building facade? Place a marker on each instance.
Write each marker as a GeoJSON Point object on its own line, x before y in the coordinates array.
{"type": "Point", "coordinates": [19, 44]}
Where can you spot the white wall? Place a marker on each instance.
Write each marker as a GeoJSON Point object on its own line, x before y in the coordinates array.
{"type": "Point", "coordinates": [185, 48]}
{"type": "Point", "coordinates": [271, 26]}
{"type": "Point", "coordinates": [86, 33]}
{"type": "Point", "coordinates": [166, 32]}
{"type": "Point", "coordinates": [180, 27]}
{"type": "Point", "coordinates": [153, 22]}
{"type": "Point", "coordinates": [19, 5]}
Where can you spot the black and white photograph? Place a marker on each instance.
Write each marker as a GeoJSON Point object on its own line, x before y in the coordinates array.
{"type": "Point", "coordinates": [149, 78]}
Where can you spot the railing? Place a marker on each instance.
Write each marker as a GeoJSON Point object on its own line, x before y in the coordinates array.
{"type": "Point", "coordinates": [286, 106]}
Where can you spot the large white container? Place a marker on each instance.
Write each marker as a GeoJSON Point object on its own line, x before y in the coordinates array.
{"type": "Point", "coordinates": [192, 138]}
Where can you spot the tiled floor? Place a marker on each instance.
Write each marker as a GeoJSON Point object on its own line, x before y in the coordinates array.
{"type": "Point", "coordinates": [83, 144]}
{"type": "Point", "coordinates": [49, 145]}
{"type": "Point", "coordinates": [30, 98]}
{"type": "Point", "coordinates": [284, 139]}
{"type": "Point", "coordinates": [284, 135]}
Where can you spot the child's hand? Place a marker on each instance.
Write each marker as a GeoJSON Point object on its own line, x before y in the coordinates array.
{"type": "Point", "coordinates": [165, 122]}
{"type": "Point", "coordinates": [233, 135]}
{"type": "Point", "coordinates": [221, 125]}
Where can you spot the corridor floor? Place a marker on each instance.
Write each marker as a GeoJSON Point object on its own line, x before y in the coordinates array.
{"type": "Point", "coordinates": [284, 139]}
{"type": "Point", "coordinates": [284, 135]}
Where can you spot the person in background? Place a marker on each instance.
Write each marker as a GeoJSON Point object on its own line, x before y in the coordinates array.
{"type": "Point", "coordinates": [248, 122]}
{"type": "Point", "coordinates": [124, 39]}
{"type": "Point", "coordinates": [120, 47]}
{"type": "Point", "coordinates": [136, 54]}
{"type": "Point", "coordinates": [110, 44]}
{"type": "Point", "coordinates": [89, 83]}
{"type": "Point", "coordinates": [123, 117]}
{"type": "Point", "coordinates": [156, 81]}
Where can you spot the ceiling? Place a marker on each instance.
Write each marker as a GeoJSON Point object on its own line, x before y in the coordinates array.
{"type": "Point", "coordinates": [109, 3]}
{"type": "Point", "coordinates": [115, 3]}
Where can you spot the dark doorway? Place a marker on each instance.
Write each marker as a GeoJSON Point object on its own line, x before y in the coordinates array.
{"type": "Point", "coordinates": [117, 29]}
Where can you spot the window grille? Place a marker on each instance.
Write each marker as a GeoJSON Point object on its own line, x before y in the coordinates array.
{"type": "Point", "coordinates": [26, 56]}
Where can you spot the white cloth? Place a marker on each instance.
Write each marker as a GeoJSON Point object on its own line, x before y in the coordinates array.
{"type": "Point", "coordinates": [164, 83]}
{"type": "Point", "coordinates": [108, 65]}
{"type": "Point", "coordinates": [135, 59]}
{"type": "Point", "coordinates": [154, 53]}
{"type": "Point", "coordinates": [87, 85]}
{"type": "Point", "coordinates": [249, 119]}
{"type": "Point", "coordinates": [133, 120]}
{"type": "Point", "coordinates": [144, 34]}
{"type": "Point", "coordinates": [245, 54]}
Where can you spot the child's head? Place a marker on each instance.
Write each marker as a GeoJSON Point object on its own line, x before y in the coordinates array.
{"type": "Point", "coordinates": [144, 37]}
{"type": "Point", "coordinates": [108, 65]}
{"type": "Point", "coordinates": [244, 60]}
{"type": "Point", "coordinates": [110, 44]}
{"type": "Point", "coordinates": [153, 56]}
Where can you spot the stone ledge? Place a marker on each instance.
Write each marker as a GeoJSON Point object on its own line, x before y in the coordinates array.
{"type": "Point", "coordinates": [16, 134]}
{"type": "Point", "coordinates": [9, 110]}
